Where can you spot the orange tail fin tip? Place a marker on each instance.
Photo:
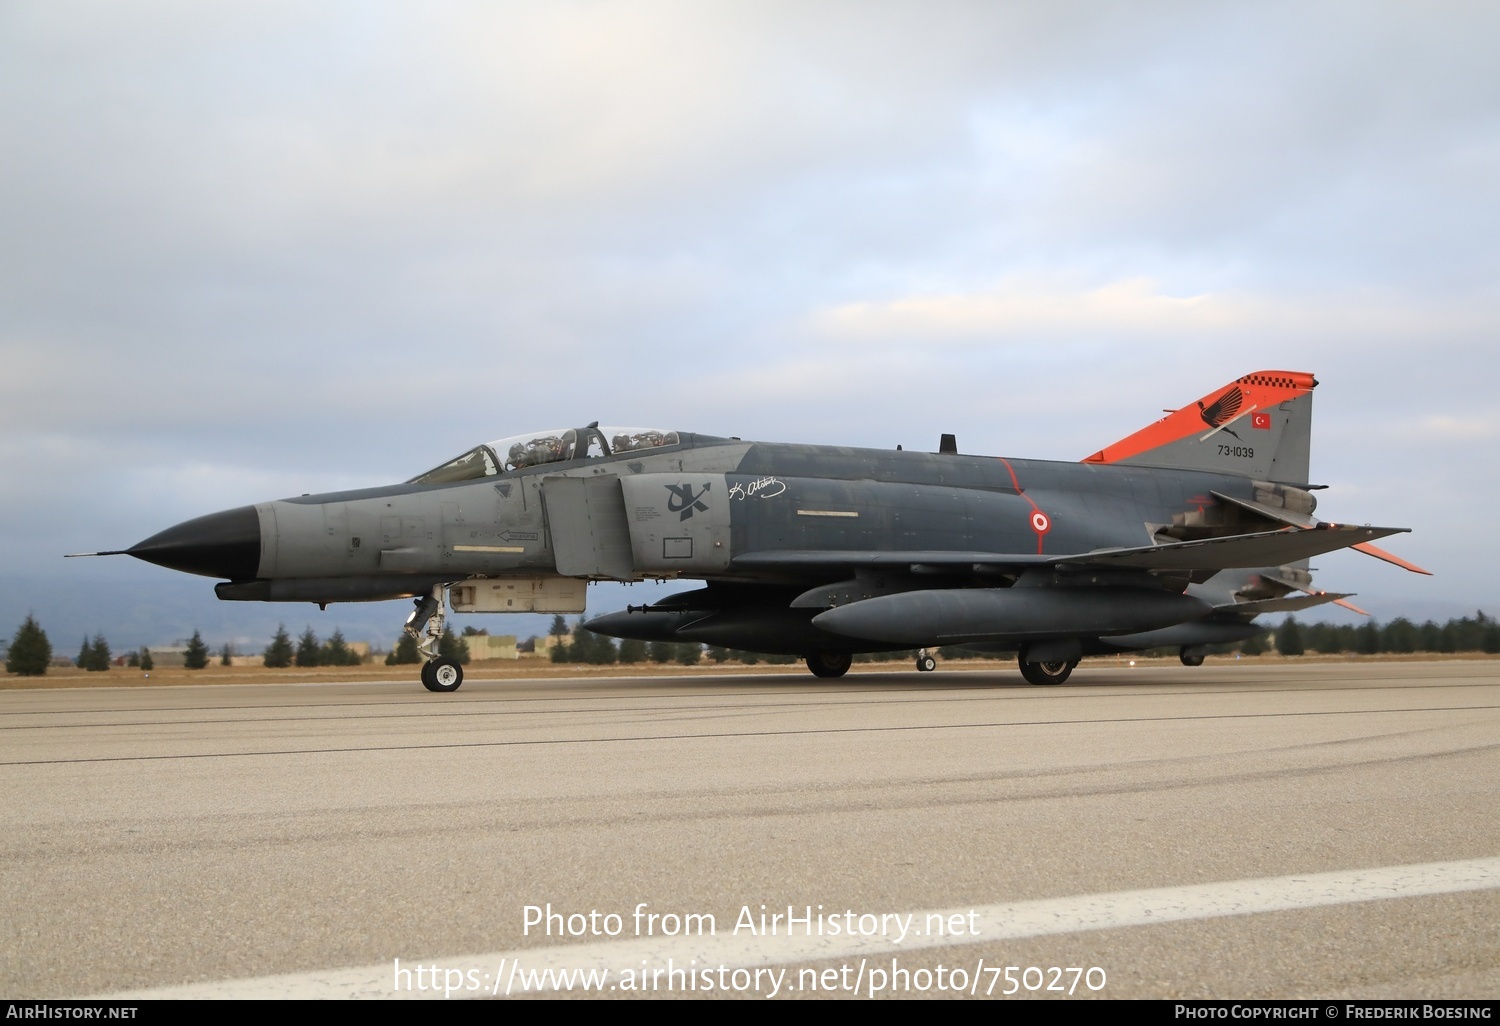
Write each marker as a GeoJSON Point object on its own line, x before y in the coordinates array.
{"type": "Point", "coordinates": [1215, 412]}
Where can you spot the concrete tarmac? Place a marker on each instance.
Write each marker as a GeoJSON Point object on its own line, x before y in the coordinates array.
{"type": "Point", "coordinates": [157, 837]}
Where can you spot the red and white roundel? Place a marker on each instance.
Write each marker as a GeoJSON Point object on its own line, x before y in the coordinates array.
{"type": "Point", "coordinates": [1040, 522]}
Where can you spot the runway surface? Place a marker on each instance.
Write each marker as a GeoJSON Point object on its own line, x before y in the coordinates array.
{"type": "Point", "coordinates": [1233, 831]}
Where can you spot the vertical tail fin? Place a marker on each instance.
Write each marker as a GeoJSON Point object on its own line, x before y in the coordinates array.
{"type": "Point", "coordinates": [1257, 426]}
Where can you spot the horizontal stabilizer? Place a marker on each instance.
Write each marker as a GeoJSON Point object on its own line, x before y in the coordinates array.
{"type": "Point", "coordinates": [1269, 548]}
{"type": "Point", "coordinates": [1371, 550]}
{"type": "Point", "coordinates": [1289, 604]}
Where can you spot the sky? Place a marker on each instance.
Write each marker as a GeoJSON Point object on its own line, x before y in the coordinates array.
{"type": "Point", "coordinates": [252, 250]}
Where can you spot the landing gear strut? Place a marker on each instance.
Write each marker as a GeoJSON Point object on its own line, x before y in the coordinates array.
{"type": "Point", "coordinates": [425, 625]}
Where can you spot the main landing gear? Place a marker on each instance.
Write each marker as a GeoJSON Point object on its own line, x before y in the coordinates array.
{"type": "Point", "coordinates": [1191, 655]}
{"type": "Point", "coordinates": [829, 664]}
{"type": "Point", "coordinates": [425, 625]}
{"type": "Point", "coordinates": [1046, 673]}
{"type": "Point", "coordinates": [925, 662]}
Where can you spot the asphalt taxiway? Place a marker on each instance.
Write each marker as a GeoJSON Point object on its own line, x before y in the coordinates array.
{"type": "Point", "coordinates": [205, 835]}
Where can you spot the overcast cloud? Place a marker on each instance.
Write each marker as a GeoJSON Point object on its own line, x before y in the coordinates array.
{"type": "Point", "coordinates": [252, 250]}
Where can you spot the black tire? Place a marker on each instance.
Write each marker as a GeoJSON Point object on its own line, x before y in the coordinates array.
{"type": "Point", "coordinates": [829, 664]}
{"type": "Point", "coordinates": [926, 664]}
{"type": "Point", "coordinates": [1046, 673]}
{"type": "Point", "coordinates": [1191, 656]}
{"type": "Point", "coordinates": [442, 675]}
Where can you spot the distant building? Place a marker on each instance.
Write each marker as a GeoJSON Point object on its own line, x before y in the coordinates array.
{"type": "Point", "coordinates": [483, 647]}
{"type": "Point", "coordinates": [542, 644]}
{"type": "Point", "coordinates": [168, 655]}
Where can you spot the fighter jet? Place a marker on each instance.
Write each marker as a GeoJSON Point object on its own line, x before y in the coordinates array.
{"type": "Point", "coordinates": [1178, 535]}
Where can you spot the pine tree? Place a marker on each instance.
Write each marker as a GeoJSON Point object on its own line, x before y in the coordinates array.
{"type": "Point", "coordinates": [196, 656]}
{"type": "Point", "coordinates": [94, 655]}
{"type": "Point", "coordinates": [226, 655]}
{"type": "Point", "coordinates": [559, 628]}
{"type": "Point", "coordinates": [1400, 635]}
{"type": "Point", "coordinates": [405, 652]}
{"type": "Point", "coordinates": [30, 651]}
{"type": "Point", "coordinates": [593, 649]}
{"type": "Point", "coordinates": [1289, 638]}
{"type": "Point", "coordinates": [1489, 637]}
{"type": "Point", "coordinates": [336, 651]}
{"type": "Point", "coordinates": [278, 653]}
{"type": "Point", "coordinates": [632, 650]}
{"type": "Point", "coordinates": [451, 646]}
{"type": "Point", "coordinates": [309, 651]}
{"type": "Point", "coordinates": [147, 663]}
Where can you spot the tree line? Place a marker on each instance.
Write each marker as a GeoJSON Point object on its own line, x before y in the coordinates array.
{"type": "Point", "coordinates": [30, 651]}
{"type": "Point", "coordinates": [309, 651]}
{"type": "Point", "coordinates": [1477, 633]}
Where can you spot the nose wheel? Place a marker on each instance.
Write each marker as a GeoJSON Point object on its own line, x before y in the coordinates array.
{"type": "Point", "coordinates": [925, 662]}
{"type": "Point", "coordinates": [442, 675]}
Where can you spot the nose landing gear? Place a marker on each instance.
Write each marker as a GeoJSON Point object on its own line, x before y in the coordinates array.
{"type": "Point", "coordinates": [425, 625]}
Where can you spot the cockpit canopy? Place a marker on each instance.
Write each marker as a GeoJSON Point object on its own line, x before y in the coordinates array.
{"type": "Point", "coordinates": [538, 447]}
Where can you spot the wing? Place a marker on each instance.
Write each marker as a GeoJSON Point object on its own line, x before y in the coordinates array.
{"type": "Point", "coordinates": [1266, 548]}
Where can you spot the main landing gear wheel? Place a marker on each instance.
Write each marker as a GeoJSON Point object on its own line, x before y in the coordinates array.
{"type": "Point", "coordinates": [442, 675]}
{"type": "Point", "coordinates": [1046, 673]}
{"type": "Point", "coordinates": [1191, 656]}
{"type": "Point", "coordinates": [830, 664]}
{"type": "Point", "coordinates": [925, 662]}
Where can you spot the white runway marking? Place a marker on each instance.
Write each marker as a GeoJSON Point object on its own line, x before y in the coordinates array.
{"type": "Point", "coordinates": [483, 975]}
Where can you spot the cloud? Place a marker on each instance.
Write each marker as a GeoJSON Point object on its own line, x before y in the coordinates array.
{"type": "Point", "coordinates": [1446, 427]}
{"type": "Point", "coordinates": [1023, 309]}
{"type": "Point", "coordinates": [251, 243]}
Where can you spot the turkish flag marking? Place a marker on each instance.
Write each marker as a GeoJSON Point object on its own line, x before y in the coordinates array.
{"type": "Point", "coordinates": [1261, 420]}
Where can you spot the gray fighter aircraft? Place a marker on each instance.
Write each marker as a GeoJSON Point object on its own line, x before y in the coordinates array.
{"type": "Point", "coordinates": [1178, 535]}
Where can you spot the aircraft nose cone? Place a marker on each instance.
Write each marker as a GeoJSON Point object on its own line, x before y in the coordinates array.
{"type": "Point", "coordinates": [223, 544]}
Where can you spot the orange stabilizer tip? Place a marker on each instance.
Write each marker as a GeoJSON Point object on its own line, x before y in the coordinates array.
{"type": "Point", "coordinates": [1371, 550]}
